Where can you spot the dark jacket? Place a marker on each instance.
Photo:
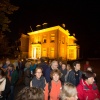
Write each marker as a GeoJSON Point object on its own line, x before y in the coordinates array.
{"type": "Point", "coordinates": [71, 77]}
{"type": "Point", "coordinates": [47, 74]}
{"type": "Point", "coordinates": [27, 77]}
{"type": "Point", "coordinates": [14, 77]}
{"type": "Point", "coordinates": [64, 72]}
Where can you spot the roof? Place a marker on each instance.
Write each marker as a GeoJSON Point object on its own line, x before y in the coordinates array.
{"type": "Point", "coordinates": [50, 29]}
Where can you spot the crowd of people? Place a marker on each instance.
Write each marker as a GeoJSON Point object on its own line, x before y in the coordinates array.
{"type": "Point", "coordinates": [52, 80]}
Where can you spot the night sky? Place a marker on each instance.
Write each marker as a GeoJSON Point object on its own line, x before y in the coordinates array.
{"type": "Point", "coordinates": [81, 18]}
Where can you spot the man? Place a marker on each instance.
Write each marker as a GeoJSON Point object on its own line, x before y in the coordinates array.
{"type": "Point", "coordinates": [54, 65]}
{"type": "Point", "coordinates": [13, 77]}
{"type": "Point", "coordinates": [75, 75]}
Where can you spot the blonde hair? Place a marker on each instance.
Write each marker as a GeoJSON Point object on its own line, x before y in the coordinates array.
{"type": "Point", "coordinates": [68, 90]}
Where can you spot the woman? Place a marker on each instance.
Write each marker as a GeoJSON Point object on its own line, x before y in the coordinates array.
{"type": "Point", "coordinates": [87, 89]}
{"type": "Point", "coordinates": [68, 92]}
{"type": "Point", "coordinates": [39, 81]}
{"type": "Point", "coordinates": [63, 71]}
{"type": "Point", "coordinates": [4, 86]}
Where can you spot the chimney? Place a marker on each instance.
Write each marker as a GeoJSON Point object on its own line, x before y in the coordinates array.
{"type": "Point", "coordinates": [63, 25]}
{"type": "Point", "coordinates": [74, 34]}
{"type": "Point", "coordinates": [38, 27]}
{"type": "Point", "coordinates": [45, 25]}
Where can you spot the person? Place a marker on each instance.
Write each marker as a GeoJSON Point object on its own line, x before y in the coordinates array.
{"type": "Point", "coordinates": [90, 69]}
{"type": "Point", "coordinates": [87, 64]}
{"type": "Point", "coordinates": [55, 88]}
{"type": "Point", "coordinates": [64, 72]}
{"type": "Point", "coordinates": [39, 81]}
{"type": "Point", "coordinates": [13, 78]}
{"type": "Point", "coordinates": [30, 93]}
{"type": "Point", "coordinates": [74, 76]}
{"type": "Point", "coordinates": [68, 92]}
{"type": "Point", "coordinates": [54, 65]}
{"type": "Point", "coordinates": [87, 89]}
{"type": "Point", "coordinates": [43, 64]}
{"type": "Point", "coordinates": [69, 68]}
{"type": "Point", "coordinates": [27, 74]}
{"type": "Point", "coordinates": [59, 64]}
{"type": "Point", "coordinates": [4, 86]}
{"type": "Point", "coordinates": [5, 66]}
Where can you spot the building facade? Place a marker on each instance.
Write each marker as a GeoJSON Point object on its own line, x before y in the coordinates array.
{"type": "Point", "coordinates": [53, 42]}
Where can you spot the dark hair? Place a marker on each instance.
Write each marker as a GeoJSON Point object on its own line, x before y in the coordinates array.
{"type": "Point", "coordinates": [11, 65]}
{"type": "Point", "coordinates": [87, 74]}
{"type": "Point", "coordinates": [2, 73]}
{"type": "Point", "coordinates": [30, 93]}
{"type": "Point", "coordinates": [75, 63]}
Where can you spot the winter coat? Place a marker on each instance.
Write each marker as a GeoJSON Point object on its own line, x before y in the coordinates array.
{"type": "Point", "coordinates": [27, 77]}
{"type": "Point", "coordinates": [13, 77]}
{"type": "Point", "coordinates": [64, 72]}
{"type": "Point", "coordinates": [87, 92]}
{"type": "Point", "coordinates": [71, 77]}
{"type": "Point", "coordinates": [47, 74]}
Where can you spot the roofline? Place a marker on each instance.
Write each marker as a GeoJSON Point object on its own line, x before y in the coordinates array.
{"type": "Point", "coordinates": [72, 37]}
{"type": "Point", "coordinates": [50, 29]}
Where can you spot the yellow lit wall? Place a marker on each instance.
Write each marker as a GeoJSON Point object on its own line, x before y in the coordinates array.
{"type": "Point", "coordinates": [54, 42]}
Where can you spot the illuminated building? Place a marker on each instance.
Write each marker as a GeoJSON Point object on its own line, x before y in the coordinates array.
{"type": "Point", "coordinates": [53, 42]}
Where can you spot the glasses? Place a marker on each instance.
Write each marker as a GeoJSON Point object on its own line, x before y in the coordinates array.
{"type": "Point", "coordinates": [39, 72]}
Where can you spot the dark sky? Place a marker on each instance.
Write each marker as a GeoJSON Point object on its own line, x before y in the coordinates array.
{"type": "Point", "coordinates": [81, 18]}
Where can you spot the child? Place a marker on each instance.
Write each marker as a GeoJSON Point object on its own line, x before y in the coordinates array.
{"type": "Point", "coordinates": [56, 86]}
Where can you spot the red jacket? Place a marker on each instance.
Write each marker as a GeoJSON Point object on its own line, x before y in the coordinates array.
{"type": "Point", "coordinates": [87, 92]}
{"type": "Point", "coordinates": [86, 66]}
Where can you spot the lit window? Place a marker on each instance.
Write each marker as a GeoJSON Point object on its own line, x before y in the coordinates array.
{"type": "Point", "coordinates": [71, 53]}
{"type": "Point", "coordinates": [52, 52]}
{"type": "Point", "coordinates": [44, 52]}
{"type": "Point", "coordinates": [52, 38]}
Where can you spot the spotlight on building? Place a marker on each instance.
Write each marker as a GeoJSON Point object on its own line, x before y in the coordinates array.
{"type": "Point", "coordinates": [45, 25]}
{"type": "Point", "coordinates": [38, 27]}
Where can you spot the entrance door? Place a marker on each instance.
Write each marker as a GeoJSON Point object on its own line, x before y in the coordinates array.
{"type": "Point", "coordinates": [36, 51]}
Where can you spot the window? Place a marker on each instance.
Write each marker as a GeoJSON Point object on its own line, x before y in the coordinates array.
{"type": "Point", "coordinates": [39, 39]}
{"type": "Point", "coordinates": [52, 38]}
{"type": "Point", "coordinates": [44, 52]}
{"type": "Point", "coordinates": [44, 39]}
{"type": "Point", "coordinates": [71, 53]}
{"type": "Point", "coordinates": [63, 40]}
{"type": "Point", "coordinates": [52, 52]}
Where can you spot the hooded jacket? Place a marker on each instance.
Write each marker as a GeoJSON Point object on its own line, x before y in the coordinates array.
{"type": "Point", "coordinates": [87, 92]}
